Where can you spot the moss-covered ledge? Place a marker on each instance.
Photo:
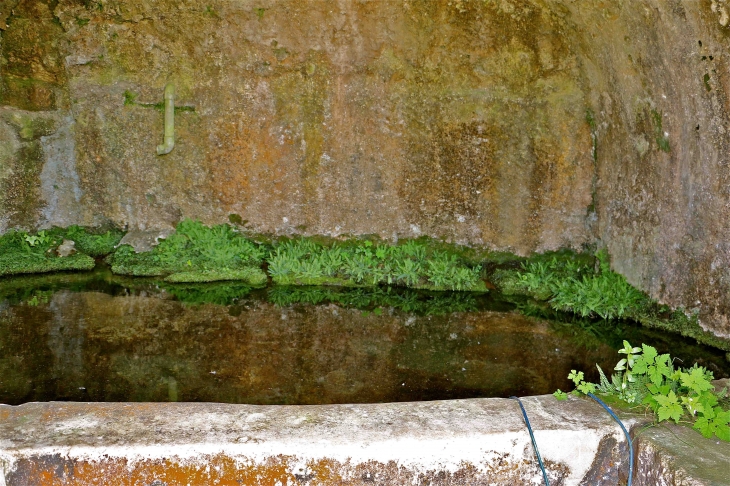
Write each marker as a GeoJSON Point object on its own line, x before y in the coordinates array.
{"type": "Point", "coordinates": [556, 284]}
{"type": "Point", "coordinates": [55, 250]}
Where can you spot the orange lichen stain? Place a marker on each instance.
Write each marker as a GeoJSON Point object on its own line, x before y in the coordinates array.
{"type": "Point", "coordinates": [225, 471]}
{"type": "Point", "coordinates": [244, 150]}
{"type": "Point", "coordinates": [219, 469]}
{"type": "Point", "coordinates": [324, 471]}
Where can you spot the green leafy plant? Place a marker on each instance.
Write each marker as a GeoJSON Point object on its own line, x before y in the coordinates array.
{"type": "Point", "coordinates": [93, 242]}
{"type": "Point", "coordinates": [40, 238]}
{"type": "Point", "coordinates": [364, 264]}
{"type": "Point", "coordinates": [648, 378]}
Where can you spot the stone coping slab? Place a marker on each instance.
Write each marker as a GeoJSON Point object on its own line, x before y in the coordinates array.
{"type": "Point", "coordinates": [672, 455]}
{"type": "Point", "coordinates": [474, 441]}
{"type": "Point", "coordinates": [477, 441]}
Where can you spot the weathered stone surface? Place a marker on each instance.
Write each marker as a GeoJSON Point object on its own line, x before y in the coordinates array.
{"type": "Point", "coordinates": [473, 121]}
{"type": "Point", "coordinates": [142, 240]}
{"type": "Point", "coordinates": [722, 384]}
{"type": "Point", "coordinates": [478, 441]}
{"type": "Point", "coordinates": [32, 75]}
{"type": "Point", "coordinates": [413, 118]}
{"type": "Point", "coordinates": [672, 455]}
{"type": "Point", "coordinates": [659, 80]}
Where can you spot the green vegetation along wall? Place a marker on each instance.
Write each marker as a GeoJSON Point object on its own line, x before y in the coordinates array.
{"type": "Point", "coordinates": [516, 125]}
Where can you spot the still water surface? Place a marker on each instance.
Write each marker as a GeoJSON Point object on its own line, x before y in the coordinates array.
{"type": "Point", "coordinates": [97, 337]}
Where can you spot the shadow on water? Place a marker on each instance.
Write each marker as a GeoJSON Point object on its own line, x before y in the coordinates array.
{"type": "Point", "coordinates": [100, 337]}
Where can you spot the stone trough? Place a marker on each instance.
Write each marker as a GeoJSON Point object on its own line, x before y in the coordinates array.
{"type": "Point", "coordinates": [475, 441]}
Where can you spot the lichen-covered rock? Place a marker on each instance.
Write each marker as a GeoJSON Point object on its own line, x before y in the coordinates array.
{"type": "Point", "coordinates": [519, 125]}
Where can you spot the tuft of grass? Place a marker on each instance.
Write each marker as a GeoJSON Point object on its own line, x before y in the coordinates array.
{"type": "Point", "coordinates": [571, 285]}
{"type": "Point", "coordinates": [559, 285]}
{"type": "Point", "coordinates": [196, 253]}
{"type": "Point", "coordinates": [365, 264]}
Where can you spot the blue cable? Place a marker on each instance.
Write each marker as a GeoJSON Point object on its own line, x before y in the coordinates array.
{"type": "Point", "coordinates": [534, 444]}
{"type": "Point", "coordinates": [626, 433]}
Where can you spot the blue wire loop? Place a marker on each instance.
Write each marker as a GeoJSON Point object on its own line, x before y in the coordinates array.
{"type": "Point", "coordinates": [626, 433]}
{"type": "Point", "coordinates": [534, 444]}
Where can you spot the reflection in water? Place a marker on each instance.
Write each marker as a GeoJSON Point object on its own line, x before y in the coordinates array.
{"type": "Point", "coordinates": [102, 338]}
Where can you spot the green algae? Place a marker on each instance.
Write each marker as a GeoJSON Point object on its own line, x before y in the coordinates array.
{"type": "Point", "coordinates": [661, 139]}
{"type": "Point", "coordinates": [31, 127]}
{"type": "Point", "coordinates": [21, 198]}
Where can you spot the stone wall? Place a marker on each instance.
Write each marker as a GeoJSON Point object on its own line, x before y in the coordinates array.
{"type": "Point", "coordinates": [394, 118]}
{"type": "Point", "coordinates": [519, 125]}
{"type": "Point", "coordinates": [659, 87]}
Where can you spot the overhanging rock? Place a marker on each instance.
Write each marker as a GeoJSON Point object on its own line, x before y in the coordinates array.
{"type": "Point", "coordinates": [475, 441]}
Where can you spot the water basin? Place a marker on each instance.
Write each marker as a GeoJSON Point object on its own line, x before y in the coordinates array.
{"type": "Point", "coordinates": [100, 338]}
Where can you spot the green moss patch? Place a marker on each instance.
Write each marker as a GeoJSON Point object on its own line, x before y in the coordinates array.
{"type": "Point", "coordinates": [13, 266]}
{"type": "Point", "coordinates": [195, 253]}
{"type": "Point", "coordinates": [252, 275]}
{"type": "Point", "coordinates": [679, 322]}
{"type": "Point", "coordinates": [365, 264]}
{"type": "Point", "coordinates": [22, 253]}
{"type": "Point", "coordinates": [94, 242]}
